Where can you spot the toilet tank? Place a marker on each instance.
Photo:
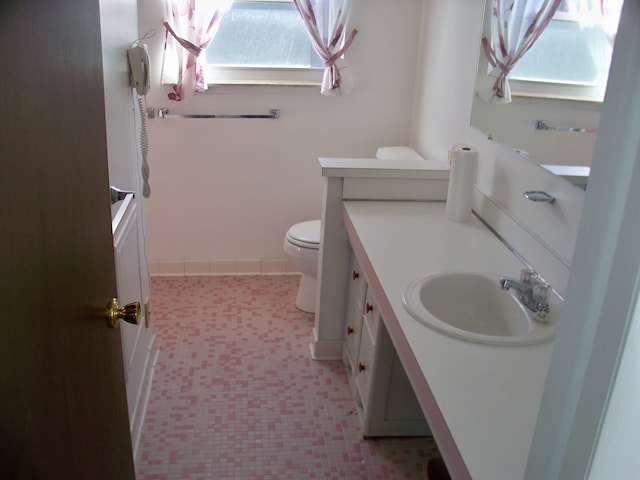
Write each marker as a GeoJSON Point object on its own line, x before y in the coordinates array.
{"type": "Point", "coordinates": [398, 152]}
{"type": "Point", "coordinates": [399, 173]}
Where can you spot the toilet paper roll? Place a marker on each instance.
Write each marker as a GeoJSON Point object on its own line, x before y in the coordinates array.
{"type": "Point", "coordinates": [463, 163]}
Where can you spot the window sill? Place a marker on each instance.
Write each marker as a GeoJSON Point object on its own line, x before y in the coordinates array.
{"type": "Point", "coordinates": [265, 83]}
{"type": "Point", "coordinates": [556, 91]}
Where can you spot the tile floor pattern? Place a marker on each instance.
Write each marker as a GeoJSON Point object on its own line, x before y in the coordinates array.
{"type": "Point", "coordinates": [236, 396]}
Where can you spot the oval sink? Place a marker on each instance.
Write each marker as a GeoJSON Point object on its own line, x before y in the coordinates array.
{"type": "Point", "coordinates": [473, 307]}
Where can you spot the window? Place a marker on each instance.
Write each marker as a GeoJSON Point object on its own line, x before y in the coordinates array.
{"type": "Point", "coordinates": [571, 58]}
{"type": "Point", "coordinates": [263, 42]}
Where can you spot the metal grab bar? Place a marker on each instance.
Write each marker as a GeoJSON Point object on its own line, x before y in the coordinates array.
{"type": "Point", "coordinates": [273, 114]}
{"type": "Point", "coordinates": [542, 125]}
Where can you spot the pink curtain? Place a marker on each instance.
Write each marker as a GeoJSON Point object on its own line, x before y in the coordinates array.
{"type": "Point", "coordinates": [190, 27]}
{"type": "Point", "coordinates": [515, 26]}
{"type": "Point", "coordinates": [326, 21]}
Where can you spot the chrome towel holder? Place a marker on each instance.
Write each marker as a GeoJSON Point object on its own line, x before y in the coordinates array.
{"type": "Point", "coordinates": [539, 196]}
{"type": "Point", "coordinates": [543, 125]}
{"type": "Point", "coordinates": [163, 113]}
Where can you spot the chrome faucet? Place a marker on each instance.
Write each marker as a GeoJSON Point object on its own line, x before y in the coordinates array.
{"type": "Point", "coordinates": [532, 290]}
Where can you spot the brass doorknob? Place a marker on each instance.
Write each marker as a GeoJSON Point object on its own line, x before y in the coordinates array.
{"type": "Point", "coordinates": [130, 313]}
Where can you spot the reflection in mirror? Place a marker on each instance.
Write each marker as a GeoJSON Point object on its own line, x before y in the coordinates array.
{"type": "Point", "coordinates": [560, 81]}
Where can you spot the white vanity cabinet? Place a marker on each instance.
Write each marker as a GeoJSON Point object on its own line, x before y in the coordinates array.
{"type": "Point", "coordinates": [383, 395]}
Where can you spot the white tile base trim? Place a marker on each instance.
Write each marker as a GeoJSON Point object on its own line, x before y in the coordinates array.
{"type": "Point", "coordinates": [177, 268]}
{"type": "Point", "coordinates": [325, 349]}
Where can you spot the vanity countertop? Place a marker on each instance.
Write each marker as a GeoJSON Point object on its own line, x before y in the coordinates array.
{"type": "Point", "coordinates": [481, 401]}
{"type": "Point", "coordinates": [384, 168]}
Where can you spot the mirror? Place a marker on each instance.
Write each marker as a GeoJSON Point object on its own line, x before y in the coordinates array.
{"type": "Point", "coordinates": [551, 127]}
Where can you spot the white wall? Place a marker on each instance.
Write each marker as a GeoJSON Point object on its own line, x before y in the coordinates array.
{"type": "Point", "coordinates": [229, 189]}
{"type": "Point", "coordinates": [614, 457]}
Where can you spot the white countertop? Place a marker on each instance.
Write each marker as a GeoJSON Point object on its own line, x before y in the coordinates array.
{"type": "Point", "coordinates": [384, 168]}
{"type": "Point", "coordinates": [488, 396]}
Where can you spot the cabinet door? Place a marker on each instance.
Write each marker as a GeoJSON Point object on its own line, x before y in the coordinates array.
{"type": "Point", "coordinates": [390, 408]}
{"type": "Point", "coordinates": [402, 404]}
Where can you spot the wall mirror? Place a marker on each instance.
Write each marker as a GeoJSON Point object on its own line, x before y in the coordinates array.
{"type": "Point", "coordinates": [556, 89]}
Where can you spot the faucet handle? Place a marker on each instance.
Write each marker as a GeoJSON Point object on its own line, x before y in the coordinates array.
{"type": "Point", "coordinates": [540, 295]}
{"type": "Point", "coordinates": [527, 275]}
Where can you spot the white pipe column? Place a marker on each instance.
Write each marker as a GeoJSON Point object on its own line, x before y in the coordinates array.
{"type": "Point", "coordinates": [333, 271]}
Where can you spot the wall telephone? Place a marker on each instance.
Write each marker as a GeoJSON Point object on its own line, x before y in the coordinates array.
{"type": "Point", "coordinates": [139, 68]}
{"type": "Point", "coordinates": [139, 78]}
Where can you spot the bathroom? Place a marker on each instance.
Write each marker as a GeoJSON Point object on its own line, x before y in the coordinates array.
{"type": "Point", "coordinates": [218, 185]}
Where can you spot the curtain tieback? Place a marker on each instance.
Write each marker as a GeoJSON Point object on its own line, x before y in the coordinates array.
{"type": "Point", "coordinates": [330, 60]}
{"type": "Point", "coordinates": [493, 59]}
{"type": "Point", "coordinates": [500, 83]}
{"type": "Point", "coordinates": [186, 44]}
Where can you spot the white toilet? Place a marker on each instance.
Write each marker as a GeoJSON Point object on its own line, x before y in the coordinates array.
{"type": "Point", "coordinates": [302, 242]}
{"type": "Point", "coordinates": [302, 245]}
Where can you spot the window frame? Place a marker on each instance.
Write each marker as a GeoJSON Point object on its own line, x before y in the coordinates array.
{"type": "Point", "coordinates": [218, 75]}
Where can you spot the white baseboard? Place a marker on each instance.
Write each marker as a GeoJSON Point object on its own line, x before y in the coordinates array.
{"type": "Point", "coordinates": [181, 268]}
{"type": "Point", "coordinates": [325, 349]}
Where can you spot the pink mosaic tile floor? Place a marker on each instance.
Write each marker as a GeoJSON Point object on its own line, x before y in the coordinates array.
{"type": "Point", "coordinates": [236, 396]}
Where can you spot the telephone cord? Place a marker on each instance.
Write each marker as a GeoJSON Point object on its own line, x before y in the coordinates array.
{"type": "Point", "coordinates": [144, 147]}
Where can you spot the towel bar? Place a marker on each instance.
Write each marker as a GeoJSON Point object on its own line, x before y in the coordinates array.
{"type": "Point", "coordinates": [274, 114]}
{"type": "Point", "coordinates": [543, 125]}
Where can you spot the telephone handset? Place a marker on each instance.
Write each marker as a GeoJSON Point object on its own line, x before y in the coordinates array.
{"type": "Point", "coordinates": [139, 77]}
{"type": "Point", "coordinates": [139, 68]}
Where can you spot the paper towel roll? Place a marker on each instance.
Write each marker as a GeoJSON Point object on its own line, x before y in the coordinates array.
{"type": "Point", "coordinates": [463, 163]}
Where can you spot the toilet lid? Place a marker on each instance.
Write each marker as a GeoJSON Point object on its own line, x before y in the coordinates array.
{"type": "Point", "coordinates": [305, 234]}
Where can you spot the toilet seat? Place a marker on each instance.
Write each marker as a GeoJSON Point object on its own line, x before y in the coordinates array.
{"type": "Point", "coordinates": [305, 234]}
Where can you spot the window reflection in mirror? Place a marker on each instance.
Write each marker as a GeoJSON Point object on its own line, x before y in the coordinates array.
{"type": "Point", "coordinates": [575, 50]}
{"type": "Point", "coordinates": [560, 80]}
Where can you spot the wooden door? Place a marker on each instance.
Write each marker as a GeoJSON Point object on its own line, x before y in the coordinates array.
{"type": "Point", "coordinates": [63, 408]}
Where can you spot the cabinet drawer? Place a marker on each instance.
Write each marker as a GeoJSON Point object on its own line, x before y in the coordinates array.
{"type": "Point", "coordinates": [353, 328]}
{"type": "Point", "coordinates": [371, 313]}
{"type": "Point", "coordinates": [357, 283]}
{"type": "Point", "coordinates": [365, 367]}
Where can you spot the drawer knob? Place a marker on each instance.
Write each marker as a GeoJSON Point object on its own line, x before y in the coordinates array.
{"type": "Point", "coordinates": [368, 308]}
{"type": "Point", "coordinates": [355, 275]}
{"type": "Point", "coordinates": [360, 367]}
{"type": "Point", "coordinates": [349, 330]}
